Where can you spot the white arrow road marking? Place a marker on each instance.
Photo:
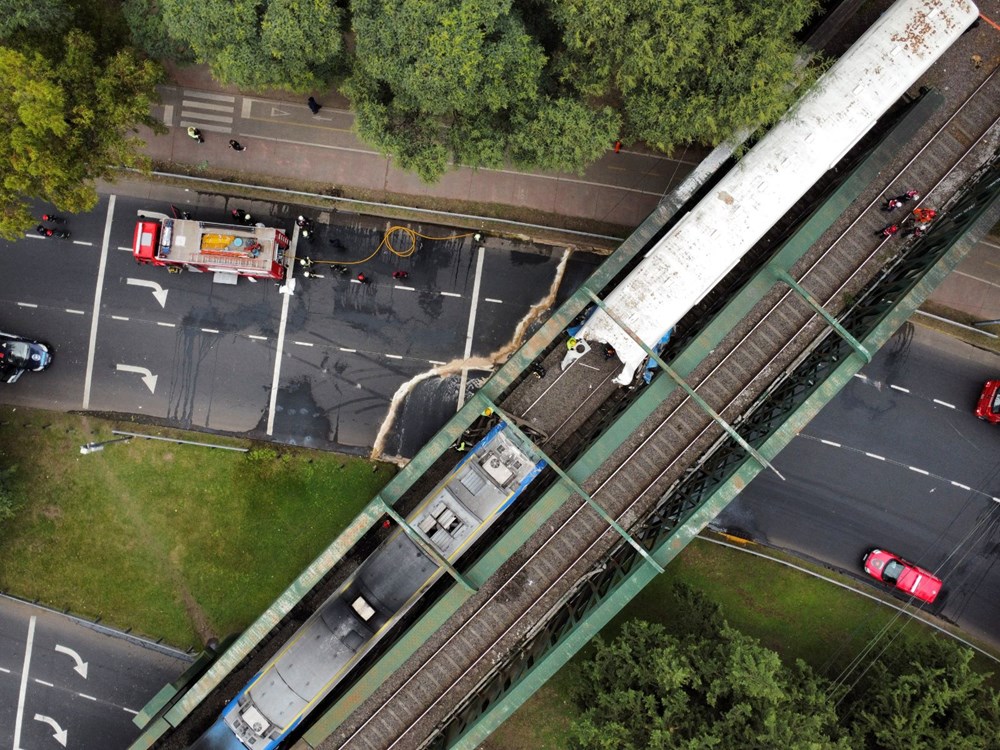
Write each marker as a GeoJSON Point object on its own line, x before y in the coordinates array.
{"type": "Point", "coordinates": [60, 735]}
{"type": "Point", "coordinates": [275, 112]}
{"type": "Point", "coordinates": [147, 377]}
{"type": "Point", "coordinates": [81, 665]}
{"type": "Point", "coordinates": [158, 291]}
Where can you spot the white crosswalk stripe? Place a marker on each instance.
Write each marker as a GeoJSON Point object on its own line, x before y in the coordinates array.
{"type": "Point", "coordinates": [210, 112]}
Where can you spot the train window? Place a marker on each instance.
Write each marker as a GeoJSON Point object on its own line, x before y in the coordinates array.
{"type": "Point", "coordinates": [363, 608]}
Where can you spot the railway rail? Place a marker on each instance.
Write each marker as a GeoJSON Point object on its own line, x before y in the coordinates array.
{"type": "Point", "coordinates": [778, 333]}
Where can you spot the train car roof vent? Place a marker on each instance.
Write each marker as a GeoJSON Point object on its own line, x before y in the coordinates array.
{"type": "Point", "coordinates": [497, 471]}
{"type": "Point", "coordinates": [363, 608]}
{"type": "Point", "coordinates": [255, 720]}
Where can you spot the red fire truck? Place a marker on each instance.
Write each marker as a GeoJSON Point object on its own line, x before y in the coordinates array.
{"type": "Point", "coordinates": [226, 250]}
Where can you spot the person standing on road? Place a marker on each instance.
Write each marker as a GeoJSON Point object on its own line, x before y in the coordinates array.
{"type": "Point", "coordinates": [236, 145]}
{"type": "Point", "coordinates": [314, 106]}
{"type": "Point", "coordinates": [195, 134]}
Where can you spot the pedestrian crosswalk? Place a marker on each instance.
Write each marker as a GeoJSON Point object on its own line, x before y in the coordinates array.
{"type": "Point", "coordinates": [207, 111]}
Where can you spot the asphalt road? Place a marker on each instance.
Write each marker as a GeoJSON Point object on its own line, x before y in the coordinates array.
{"type": "Point", "coordinates": [60, 675]}
{"type": "Point", "coordinates": [213, 349]}
{"type": "Point", "coordinates": [896, 461]}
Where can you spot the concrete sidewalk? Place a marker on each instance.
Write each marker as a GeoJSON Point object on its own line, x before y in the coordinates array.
{"type": "Point", "coordinates": [289, 146]}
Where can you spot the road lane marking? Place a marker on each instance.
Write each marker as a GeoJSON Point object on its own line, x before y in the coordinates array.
{"type": "Point", "coordinates": [88, 697]}
{"type": "Point", "coordinates": [130, 711]}
{"type": "Point", "coordinates": [962, 486]}
{"type": "Point", "coordinates": [282, 324]}
{"type": "Point", "coordinates": [975, 278]}
{"type": "Point", "coordinates": [4, 670]}
{"type": "Point", "coordinates": [944, 403]}
{"type": "Point", "coordinates": [859, 376]}
{"type": "Point", "coordinates": [209, 330]}
{"type": "Point", "coordinates": [101, 268]}
{"type": "Point", "coordinates": [349, 351]}
{"type": "Point", "coordinates": [393, 356]}
{"type": "Point", "coordinates": [126, 249]}
{"type": "Point", "coordinates": [24, 684]}
{"type": "Point", "coordinates": [83, 242]}
{"type": "Point", "coordinates": [405, 288]}
{"type": "Point", "coordinates": [494, 301]}
{"type": "Point", "coordinates": [209, 95]}
{"type": "Point", "coordinates": [119, 317]}
{"type": "Point", "coordinates": [919, 471]}
{"type": "Point", "coordinates": [472, 323]}
{"type": "Point", "coordinates": [450, 294]}
{"type": "Point", "coordinates": [257, 338]}
{"type": "Point", "coordinates": [303, 343]}
{"type": "Point", "coordinates": [206, 105]}
{"type": "Point", "coordinates": [899, 388]}
{"type": "Point", "coordinates": [43, 682]}
{"type": "Point", "coordinates": [831, 443]}
{"type": "Point", "coordinates": [71, 311]}
{"type": "Point", "coordinates": [435, 362]}
{"type": "Point", "coordinates": [166, 325]}
{"type": "Point", "coordinates": [875, 456]}
{"type": "Point", "coordinates": [26, 304]}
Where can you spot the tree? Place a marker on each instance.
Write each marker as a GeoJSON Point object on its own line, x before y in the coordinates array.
{"type": "Point", "coordinates": [924, 698]}
{"type": "Point", "coordinates": [685, 70]}
{"type": "Point", "coordinates": [291, 44]}
{"type": "Point", "coordinates": [66, 122]}
{"type": "Point", "coordinates": [439, 80]}
{"type": "Point", "coordinates": [711, 687]}
{"type": "Point", "coordinates": [18, 17]}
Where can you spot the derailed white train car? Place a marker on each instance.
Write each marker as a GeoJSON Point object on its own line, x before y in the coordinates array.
{"type": "Point", "coordinates": [810, 139]}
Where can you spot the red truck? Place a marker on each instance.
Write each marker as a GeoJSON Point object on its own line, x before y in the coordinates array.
{"type": "Point", "coordinates": [225, 250]}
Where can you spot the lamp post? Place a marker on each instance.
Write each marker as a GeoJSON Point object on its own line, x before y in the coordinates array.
{"type": "Point", "coordinates": [94, 447]}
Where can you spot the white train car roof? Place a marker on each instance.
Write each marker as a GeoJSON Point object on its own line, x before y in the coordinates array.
{"type": "Point", "coordinates": [811, 138]}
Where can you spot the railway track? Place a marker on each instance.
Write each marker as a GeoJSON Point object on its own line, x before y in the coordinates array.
{"type": "Point", "coordinates": [777, 334]}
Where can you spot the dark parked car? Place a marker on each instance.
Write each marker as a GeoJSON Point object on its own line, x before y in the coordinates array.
{"type": "Point", "coordinates": [18, 355]}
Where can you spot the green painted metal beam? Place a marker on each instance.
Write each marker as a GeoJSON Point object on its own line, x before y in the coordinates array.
{"type": "Point", "coordinates": [430, 549]}
{"type": "Point", "coordinates": [831, 321]}
{"type": "Point", "coordinates": [692, 394]}
{"type": "Point", "coordinates": [577, 489]}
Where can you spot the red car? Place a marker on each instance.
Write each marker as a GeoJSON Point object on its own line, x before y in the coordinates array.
{"type": "Point", "coordinates": [907, 577]}
{"type": "Point", "coordinates": [988, 407]}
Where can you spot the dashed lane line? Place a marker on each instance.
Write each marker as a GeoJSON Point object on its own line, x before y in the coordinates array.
{"type": "Point", "coordinates": [919, 471]}
{"type": "Point", "coordinates": [120, 317]}
{"type": "Point", "coordinates": [209, 330]}
{"type": "Point", "coordinates": [26, 304]}
{"type": "Point", "coordinates": [961, 486]}
{"type": "Point", "coordinates": [43, 682]}
{"type": "Point", "coordinates": [405, 288]}
{"type": "Point", "coordinates": [876, 456]}
{"type": "Point", "coordinates": [130, 711]}
{"type": "Point", "coordinates": [899, 388]}
{"type": "Point", "coordinates": [88, 697]}
{"type": "Point", "coordinates": [831, 443]}
{"type": "Point", "coordinates": [166, 325]}
{"type": "Point", "coordinates": [451, 294]}
{"type": "Point", "coordinates": [303, 343]}
{"type": "Point", "coordinates": [943, 403]}
{"type": "Point", "coordinates": [349, 351]}
{"type": "Point", "coordinates": [257, 338]}
{"type": "Point", "coordinates": [494, 301]}
{"type": "Point", "coordinates": [71, 311]}
{"type": "Point", "coordinates": [393, 356]}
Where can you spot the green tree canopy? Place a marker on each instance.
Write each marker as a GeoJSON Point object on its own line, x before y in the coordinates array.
{"type": "Point", "coordinates": [711, 687]}
{"type": "Point", "coordinates": [925, 697]}
{"type": "Point", "coordinates": [291, 44]}
{"type": "Point", "coordinates": [434, 78]}
{"type": "Point", "coordinates": [685, 70]}
{"type": "Point", "coordinates": [66, 122]}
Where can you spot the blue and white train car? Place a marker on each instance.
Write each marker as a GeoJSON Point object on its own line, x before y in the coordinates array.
{"type": "Point", "coordinates": [809, 140]}
{"type": "Point", "coordinates": [385, 586]}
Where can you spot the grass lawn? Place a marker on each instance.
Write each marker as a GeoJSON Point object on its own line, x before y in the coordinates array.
{"type": "Point", "coordinates": [796, 615]}
{"type": "Point", "coordinates": [174, 541]}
